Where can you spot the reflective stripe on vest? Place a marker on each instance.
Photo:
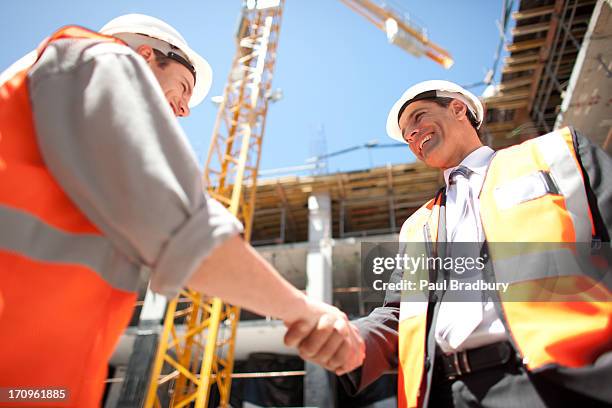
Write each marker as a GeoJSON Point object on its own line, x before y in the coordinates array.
{"type": "Point", "coordinates": [541, 199]}
{"type": "Point", "coordinates": [557, 148]}
{"type": "Point", "coordinates": [413, 312]}
{"type": "Point", "coordinates": [559, 213]}
{"type": "Point", "coordinates": [551, 161]}
{"type": "Point", "coordinates": [66, 293]}
{"type": "Point", "coordinates": [29, 236]}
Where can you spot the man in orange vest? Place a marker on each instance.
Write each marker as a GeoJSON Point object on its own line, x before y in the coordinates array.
{"type": "Point", "coordinates": [99, 190]}
{"type": "Point", "coordinates": [493, 349]}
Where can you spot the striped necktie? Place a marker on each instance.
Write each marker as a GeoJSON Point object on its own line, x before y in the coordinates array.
{"type": "Point", "coordinates": [459, 317]}
{"type": "Point", "coordinates": [466, 225]}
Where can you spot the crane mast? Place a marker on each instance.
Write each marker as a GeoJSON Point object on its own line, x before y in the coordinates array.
{"type": "Point", "coordinates": [196, 325]}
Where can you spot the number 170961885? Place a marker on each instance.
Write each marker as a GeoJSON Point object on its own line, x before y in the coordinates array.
{"type": "Point", "coordinates": [17, 394]}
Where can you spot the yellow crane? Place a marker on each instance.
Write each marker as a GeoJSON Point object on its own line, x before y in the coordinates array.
{"type": "Point", "coordinates": [196, 346]}
{"type": "Point", "coordinates": [231, 174]}
{"type": "Point", "coordinates": [400, 30]}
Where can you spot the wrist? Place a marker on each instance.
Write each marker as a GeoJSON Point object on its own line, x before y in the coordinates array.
{"type": "Point", "coordinates": [296, 308]}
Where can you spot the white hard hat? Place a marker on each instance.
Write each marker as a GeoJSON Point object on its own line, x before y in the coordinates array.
{"type": "Point", "coordinates": [429, 90]}
{"type": "Point", "coordinates": [139, 29]}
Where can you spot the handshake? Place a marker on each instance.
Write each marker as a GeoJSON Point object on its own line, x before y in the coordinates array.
{"type": "Point", "coordinates": [325, 336]}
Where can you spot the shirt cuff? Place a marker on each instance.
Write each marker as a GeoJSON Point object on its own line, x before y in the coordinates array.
{"type": "Point", "coordinates": [192, 243]}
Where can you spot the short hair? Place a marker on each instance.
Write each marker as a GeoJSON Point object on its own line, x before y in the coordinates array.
{"type": "Point", "coordinates": [162, 59]}
{"type": "Point", "coordinates": [445, 102]}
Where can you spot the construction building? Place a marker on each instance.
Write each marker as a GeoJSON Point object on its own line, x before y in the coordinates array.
{"type": "Point", "coordinates": [558, 72]}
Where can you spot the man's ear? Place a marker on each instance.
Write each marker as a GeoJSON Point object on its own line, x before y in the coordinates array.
{"type": "Point", "coordinates": [146, 52]}
{"type": "Point", "coordinates": [458, 109]}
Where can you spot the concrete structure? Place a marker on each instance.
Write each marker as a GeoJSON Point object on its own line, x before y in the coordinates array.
{"type": "Point", "coordinates": [318, 387]}
{"type": "Point", "coordinates": [559, 62]}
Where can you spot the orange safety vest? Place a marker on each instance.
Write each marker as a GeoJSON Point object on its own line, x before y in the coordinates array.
{"type": "Point", "coordinates": [572, 330]}
{"type": "Point", "coordinates": [62, 309]}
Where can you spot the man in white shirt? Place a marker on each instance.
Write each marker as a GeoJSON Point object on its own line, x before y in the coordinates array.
{"type": "Point", "coordinates": [470, 358]}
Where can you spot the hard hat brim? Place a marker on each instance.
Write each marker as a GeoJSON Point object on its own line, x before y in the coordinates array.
{"type": "Point", "coordinates": [393, 129]}
{"type": "Point", "coordinates": [204, 77]}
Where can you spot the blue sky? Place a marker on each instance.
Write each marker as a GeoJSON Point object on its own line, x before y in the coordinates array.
{"type": "Point", "coordinates": [336, 70]}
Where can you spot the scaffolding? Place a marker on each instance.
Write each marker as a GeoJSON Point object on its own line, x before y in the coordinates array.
{"type": "Point", "coordinates": [556, 72]}
{"type": "Point", "coordinates": [545, 43]}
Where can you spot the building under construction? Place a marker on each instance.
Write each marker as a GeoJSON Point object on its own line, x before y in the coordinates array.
{"type": "Point", "coordinates": [310, 228]}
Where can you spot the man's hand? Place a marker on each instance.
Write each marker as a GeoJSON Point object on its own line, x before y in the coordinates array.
{"type": "Point", "coordinates": [330, 340]}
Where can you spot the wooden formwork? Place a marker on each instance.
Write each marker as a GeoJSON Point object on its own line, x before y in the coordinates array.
{"type": "Point", "coordinates": [364, 202]}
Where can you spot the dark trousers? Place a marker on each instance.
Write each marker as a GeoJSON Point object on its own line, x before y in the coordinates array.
{"type": "Point", "coordinates": [506, 386]}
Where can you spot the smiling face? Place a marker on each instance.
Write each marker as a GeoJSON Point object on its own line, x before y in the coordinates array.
{"type": "Point", "coordinates": [439, 136]}
{"type": "Point", "coordinates": [176, 80]}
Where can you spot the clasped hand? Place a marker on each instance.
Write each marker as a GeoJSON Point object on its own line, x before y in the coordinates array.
{"type": "Point", "coordinates": [326, 337]}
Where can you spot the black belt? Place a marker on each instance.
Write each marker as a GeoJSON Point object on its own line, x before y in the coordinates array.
{"type": "Point", "coordinates": [470, 361]}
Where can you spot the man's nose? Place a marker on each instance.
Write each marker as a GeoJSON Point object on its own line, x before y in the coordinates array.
{"type": "Point", "coordinates": [410, 134]}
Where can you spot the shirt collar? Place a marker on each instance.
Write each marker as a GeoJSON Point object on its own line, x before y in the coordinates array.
{"type": "Point", "coordinates": [477, 161]}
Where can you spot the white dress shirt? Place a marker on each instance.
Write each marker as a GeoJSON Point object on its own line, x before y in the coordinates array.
{"type": "Point", "coordinates": [490, 329]}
